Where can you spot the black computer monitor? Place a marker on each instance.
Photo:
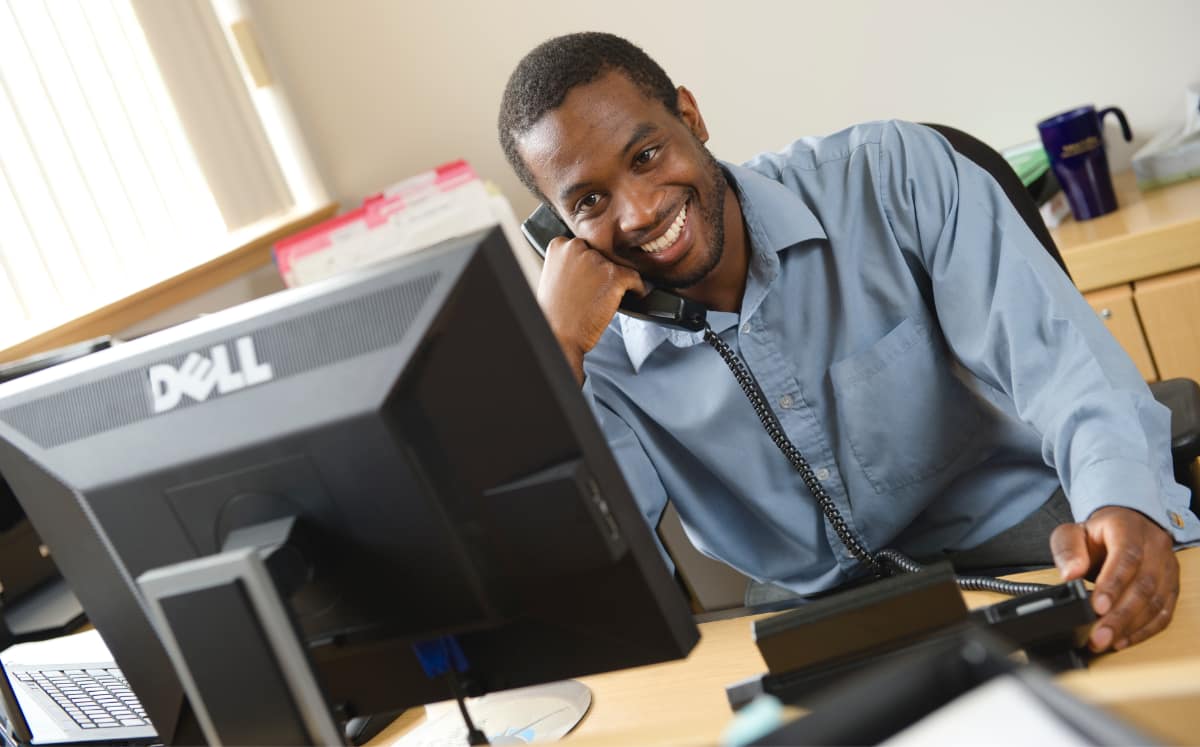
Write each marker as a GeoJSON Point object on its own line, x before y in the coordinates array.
{"type": "Point", "coordinates": [35, 601]}
{"type": "Point", "coordinates": [10, 510]}
{"type": "Point", "coordinates": [41, 361]}
{"type": "Point", "coordinates": [419, 419]}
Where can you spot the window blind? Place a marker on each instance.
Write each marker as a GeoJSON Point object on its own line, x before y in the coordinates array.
{"type": "Point", "coordinates": [130, 150]}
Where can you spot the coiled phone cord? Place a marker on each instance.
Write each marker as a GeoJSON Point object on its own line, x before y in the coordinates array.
{"type": "Point", "coordinates": [882, 563]}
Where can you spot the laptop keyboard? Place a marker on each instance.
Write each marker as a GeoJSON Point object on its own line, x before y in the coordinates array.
{"type": "Point", "coordinates": [93, 698]}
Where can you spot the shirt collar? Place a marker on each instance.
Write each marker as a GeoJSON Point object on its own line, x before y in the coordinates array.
{"type": "Point", "coordinates": [776, 219]}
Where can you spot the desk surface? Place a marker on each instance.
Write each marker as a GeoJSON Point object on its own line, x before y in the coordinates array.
{"type": "Point", "coordinates": [1155, 684]}
{"type": "Point", "coordinates": [1151, 233]}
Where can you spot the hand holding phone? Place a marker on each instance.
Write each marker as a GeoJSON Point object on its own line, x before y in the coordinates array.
{"type": "Point", "coordinates": [580, 290]}
{"type": "Point", "coordinates": [657, 305]}
{"type": "Point", "coordinates": [543, 227]}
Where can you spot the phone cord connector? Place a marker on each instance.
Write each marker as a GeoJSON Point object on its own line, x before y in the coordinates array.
{"type": "Point", "coordinates": [882, 563]}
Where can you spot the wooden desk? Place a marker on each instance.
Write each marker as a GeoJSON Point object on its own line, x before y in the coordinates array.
{"type": "Point", "coordinates": [1155, 685]}
{"type": "Point", "coordinates": [1139, 267]}
{"type": "Point", "coordinates": [1151, 233]}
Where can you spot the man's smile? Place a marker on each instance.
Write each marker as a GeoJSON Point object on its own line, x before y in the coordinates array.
{"type": "Point", "coordinates": [670, 236]}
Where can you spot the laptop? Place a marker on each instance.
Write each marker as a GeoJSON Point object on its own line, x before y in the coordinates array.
{"type": "Point", "coordinates": [68, 701]}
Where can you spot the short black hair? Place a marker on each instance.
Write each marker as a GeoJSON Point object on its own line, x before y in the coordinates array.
{"type": "Point", "coordinates": [544, 77]}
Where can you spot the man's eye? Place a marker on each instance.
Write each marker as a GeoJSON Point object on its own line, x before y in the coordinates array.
{"type": "Point", "coordinates": [646, 155]}
{"type": "Point", "coordinates": [588, 202]}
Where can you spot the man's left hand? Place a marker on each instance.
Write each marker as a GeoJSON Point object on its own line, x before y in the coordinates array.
{"type": "Point", "coordinates": [1137, 575]}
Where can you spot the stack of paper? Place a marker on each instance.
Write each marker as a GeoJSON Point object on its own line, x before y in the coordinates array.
{"type": "Point", "coordinates": [1029, 160]}
{"type": "Point", "coordinates": [414, 214]}
{"type": "Point", "coordinates": [1032, 166]}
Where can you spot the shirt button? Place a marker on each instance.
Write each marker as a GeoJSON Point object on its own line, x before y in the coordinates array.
{"type": "Point", "coordinates": [746, 328]}
{"type": "Point", "coordinates": [1176, 519]}
{"type": "Point", "coordinates": [786, 401]}
{"type": "Point", "coordinates": [822, 474]}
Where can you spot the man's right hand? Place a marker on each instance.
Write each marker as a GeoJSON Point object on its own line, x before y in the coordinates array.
{"type": "Point", "coordinates": [579, 292]}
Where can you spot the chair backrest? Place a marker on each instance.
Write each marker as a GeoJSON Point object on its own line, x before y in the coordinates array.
{"type": "Point", "coordinates": [987, 158]}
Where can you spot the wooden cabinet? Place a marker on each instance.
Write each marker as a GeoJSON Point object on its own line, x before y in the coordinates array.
{"type": "Point", "coordinates": [1169, 307]}
{"type": "Point", "coordinates": [1152, 233]}
{"type": "Point", "coordinates": [1116, 307]}
{"type": "Point", "coordinates": [1147, 250]}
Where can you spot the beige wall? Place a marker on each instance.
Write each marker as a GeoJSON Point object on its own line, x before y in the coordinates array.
{"type": "Point", "coordinates": [385, 88]}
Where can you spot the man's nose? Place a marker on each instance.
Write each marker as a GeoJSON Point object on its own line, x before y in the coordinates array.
{"type": "Point", "coordinates": [639, 210]}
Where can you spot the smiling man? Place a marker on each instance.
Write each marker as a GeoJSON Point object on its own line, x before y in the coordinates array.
{"type": "Point", "coordinates": [952, 392]}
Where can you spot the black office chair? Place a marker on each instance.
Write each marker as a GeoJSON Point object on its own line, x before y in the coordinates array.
{"type": "Point", "coordinates": [1181, 396]}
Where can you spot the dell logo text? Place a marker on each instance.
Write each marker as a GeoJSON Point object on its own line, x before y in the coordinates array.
{"type": "Point", "coordinates": [198, 376]}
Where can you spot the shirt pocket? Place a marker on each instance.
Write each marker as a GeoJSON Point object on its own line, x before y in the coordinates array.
{"type": "Point", "coordinates": [905, 414]}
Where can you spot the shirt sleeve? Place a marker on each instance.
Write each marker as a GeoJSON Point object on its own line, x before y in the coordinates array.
{"type": "Point", "coordinates": [1013, 318]}
{"type": "Point", "coordinates": [635, 464]}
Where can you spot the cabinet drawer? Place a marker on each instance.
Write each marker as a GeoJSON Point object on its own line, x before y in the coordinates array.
{"type": "Point", "coordinates": [1116, 307]}
{"type": "Point", "coordinates": [1169, 307]}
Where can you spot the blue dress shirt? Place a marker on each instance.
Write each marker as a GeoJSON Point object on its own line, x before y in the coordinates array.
{"type": "Point", "coordinates": [919, 346]}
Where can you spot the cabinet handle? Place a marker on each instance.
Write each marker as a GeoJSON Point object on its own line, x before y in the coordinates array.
{"type": "Point", "coordinates": [1106, 314]}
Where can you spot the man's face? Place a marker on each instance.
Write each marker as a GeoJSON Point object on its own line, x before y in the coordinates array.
{"type": "Point", "coordinates": [632, 179]}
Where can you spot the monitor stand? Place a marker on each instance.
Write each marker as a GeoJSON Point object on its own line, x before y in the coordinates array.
{"type": "Point", "coordinates": [539, 713]}
{"type": "Point", "coordinates": [256, 686]}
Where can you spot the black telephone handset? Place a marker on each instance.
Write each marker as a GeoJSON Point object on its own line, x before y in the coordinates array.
{"type": "Point", "coordinates": [543, 226]}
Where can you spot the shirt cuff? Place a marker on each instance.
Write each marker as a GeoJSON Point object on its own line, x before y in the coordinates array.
{"type": "Point", "coordinates": [1129, 484]}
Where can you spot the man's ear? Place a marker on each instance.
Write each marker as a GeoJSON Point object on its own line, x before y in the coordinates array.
{"type": "Point", "coordinates": [689, 112]}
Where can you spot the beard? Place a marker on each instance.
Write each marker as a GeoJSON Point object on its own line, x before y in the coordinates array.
{"type": "Point", "coordinates": [713, 216]}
